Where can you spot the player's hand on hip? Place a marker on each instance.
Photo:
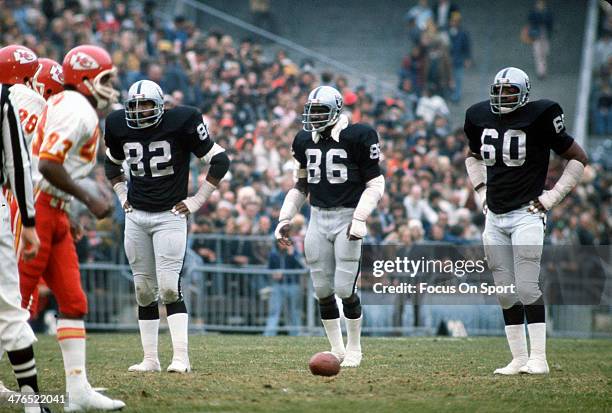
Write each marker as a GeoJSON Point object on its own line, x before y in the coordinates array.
{"type": "Point", "coordinates": [180, 209]}
{"type": "Point", "coordinates": [282, 233]}
{"type": "Point", "coordinates": [29, 245]}
{"type": "Point", "coordinates": [127, 207]}
{"type": "Point", "coordinates": [356, 230]}
{"type": "Point", "coordinates": [99, 206]}
{"type": "Point", "coordinates": [536, 207]}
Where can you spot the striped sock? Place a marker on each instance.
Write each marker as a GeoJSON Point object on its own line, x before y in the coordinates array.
{"type": "Point", "coordinates": [24, 366]}
{"type": "Point", "coordinates": [71, 337]}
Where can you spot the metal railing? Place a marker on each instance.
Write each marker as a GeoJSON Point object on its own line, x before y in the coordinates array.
{"type": "Point", "coordinates": [230, 298]}
{"type": "Point", "coordinates": [586, 73]}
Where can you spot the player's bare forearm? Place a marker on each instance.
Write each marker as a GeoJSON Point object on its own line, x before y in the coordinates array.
{"type": "Point", "coordinates": [57, 175]}
{"type": "Point", "coordinates": [577, 153]}
{"type": "Point", "coordinates": [214, 181]}
{"type": "Point", "coordinates": [118, 179]}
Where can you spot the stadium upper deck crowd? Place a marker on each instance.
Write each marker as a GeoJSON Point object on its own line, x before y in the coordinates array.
{"type": "Point", "coordinates": [253, 107]}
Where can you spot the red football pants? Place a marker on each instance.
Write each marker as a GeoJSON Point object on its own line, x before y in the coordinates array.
{"type": "Point", "coordinates": [56, 263]}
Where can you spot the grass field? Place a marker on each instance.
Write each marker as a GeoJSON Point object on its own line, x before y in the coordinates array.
{"type": "Point", "coordinates": [256, 374]}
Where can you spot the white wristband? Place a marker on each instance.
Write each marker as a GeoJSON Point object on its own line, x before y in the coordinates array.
{"type": "Point", "coordinates": [194, 203]}
{"type": "Point", "coordinates": [121, 189]}
{"type": "Point", "coordinates": [370, 196]}
{"type": "Point", "coordinates": [477, 172]}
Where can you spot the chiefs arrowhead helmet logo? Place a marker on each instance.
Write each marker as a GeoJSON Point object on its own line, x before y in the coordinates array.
{"type": "Point", "coordinates": [83, 61]}
{"type": "Point", "coordinates": [24, 56]}
{"type": "Point", "coordinates": [57, 74]}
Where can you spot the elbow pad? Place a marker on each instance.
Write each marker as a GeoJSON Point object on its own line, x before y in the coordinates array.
{"type": "Point", "coordinates": [219, 165]}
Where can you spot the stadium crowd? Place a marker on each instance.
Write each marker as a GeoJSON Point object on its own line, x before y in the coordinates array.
{"type": "Point", "coordinates": [253, 107]}
{"type": "Point", "coordinates": [601, 96]}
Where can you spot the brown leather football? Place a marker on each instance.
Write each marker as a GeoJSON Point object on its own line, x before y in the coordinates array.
{"type": "Point", "coordinates": [324, 364]}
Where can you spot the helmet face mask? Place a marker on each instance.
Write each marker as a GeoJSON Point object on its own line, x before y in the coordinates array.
{"type": "Point", "coordinates": [322, 109]}
{"type": "Point", "coordinates": [509, 91]}
{"type": "Point", "coordinates": [144, 106]}
{"type": "Point", "coordinates": [49, 78]}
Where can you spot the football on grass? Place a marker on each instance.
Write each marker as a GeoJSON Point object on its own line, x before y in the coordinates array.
{"type": "Point", "coordinates": [324, 364]}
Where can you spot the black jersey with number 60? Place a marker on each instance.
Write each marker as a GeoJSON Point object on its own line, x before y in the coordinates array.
{"type": "Point", "coordinates": [515, 148]}
{"type": "Point", "coordinates": [158, 156]}
{"type": "Point", "coordinates": [338, 171]}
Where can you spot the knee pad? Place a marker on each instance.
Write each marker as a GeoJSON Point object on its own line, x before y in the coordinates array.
{"type": "Point", "coordinates": [329, 308]}
{"type": "Point", "coordinates": [352, 307]}
{"type": "Point", "coordinates": [74, 308]}
{"type": "Point", "coordinates": [530, 296]}
{"type": "Point", "coordinates": [348, 255]}
{"type": "Point", "coordinates": [146, 290]}
{"type": "Point", "coordinates": [506, 301]}
{"type": "Point", "coordinates": [169, 287]}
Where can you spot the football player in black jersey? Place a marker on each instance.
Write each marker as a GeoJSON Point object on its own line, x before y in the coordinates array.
{"type": "Point", "coordinates": [337, 165]}
{"type": "Point", "coordinates": [510, 140]}
{"type": "Point", "coordinates": [156, 146]}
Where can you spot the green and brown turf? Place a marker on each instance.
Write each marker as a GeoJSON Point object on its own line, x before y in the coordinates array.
{"type": "Point", "coordinates": [234, 373]}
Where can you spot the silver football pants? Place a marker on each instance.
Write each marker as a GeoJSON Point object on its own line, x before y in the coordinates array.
{"type": "Point", "coordinates": [332, 258]}
{"type": "Point", "coordinates": [513, 246]}
{"type": "Point", "coordinates": [155, 245]}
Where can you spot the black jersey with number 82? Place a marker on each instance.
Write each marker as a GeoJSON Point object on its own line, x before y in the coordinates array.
{"type": "Point", "coordinates": [338, 170]}
{"type": "Point", "coordinates": [515, 147]}
{"type": "Point", "coordinates": [158, 157]}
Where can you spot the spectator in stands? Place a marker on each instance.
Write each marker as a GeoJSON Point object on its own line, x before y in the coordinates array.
{"type": "Point", "coordinates": [421, 13]}
{"type": "Point", "coordinates": [442, 13]}
{"type": "Point", "coordinates": [286, 288]}
{"type": "Point", "coordinates": [603, 111]}
{"type": "Point", "coordinates": [540, 29]}
{"type": "Point", "coordinates": [461, 54]}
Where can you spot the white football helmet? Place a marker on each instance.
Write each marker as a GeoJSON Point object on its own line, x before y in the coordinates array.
{"type": "Point", "coordinates": [509, 91]}
{"type": "Point", "coordinates": [139, 116]}
{"type": "Point", "coordinates": [322, 109]}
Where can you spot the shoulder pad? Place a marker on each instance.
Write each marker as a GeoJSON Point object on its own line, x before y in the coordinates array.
{"type": "Point", "coordinates": [479, 112]}
{"type": "Point", "coordinates": [178, 116]}
{"type": "Point", "coordinates": [356, 131]}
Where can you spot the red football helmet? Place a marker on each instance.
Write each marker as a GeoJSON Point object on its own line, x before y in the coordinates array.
{"type": "Point", "coordinates": [18, 64]}
{"type": "Point", "coordinates": [49, 78]}
{"type": "Point", "coordinates": [89, 69]}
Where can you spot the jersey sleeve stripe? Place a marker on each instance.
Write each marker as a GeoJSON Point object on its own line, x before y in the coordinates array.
{"type": "Point", "coordinates": [214, 149]}
{"type": "Point", "coordinates": [112, 158]}
{"type": "Point", "coordinates": [51, 157]}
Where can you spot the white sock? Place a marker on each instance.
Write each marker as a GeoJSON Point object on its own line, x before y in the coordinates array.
{"type": "Point", "coordinates": [178, 324]}
{"type": "Point", "coordinates": [71, 337]}
{"type": "Point", "coordinates": [353, 334]}
{"type": "Point", "coordinates": [517, 341]}
{"type": "Point", "coordinates": [148, 337]}
{"type": "Point", "coordinates": [334, 334]}
{"type": "Point", "coordinates": [537, 340]}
